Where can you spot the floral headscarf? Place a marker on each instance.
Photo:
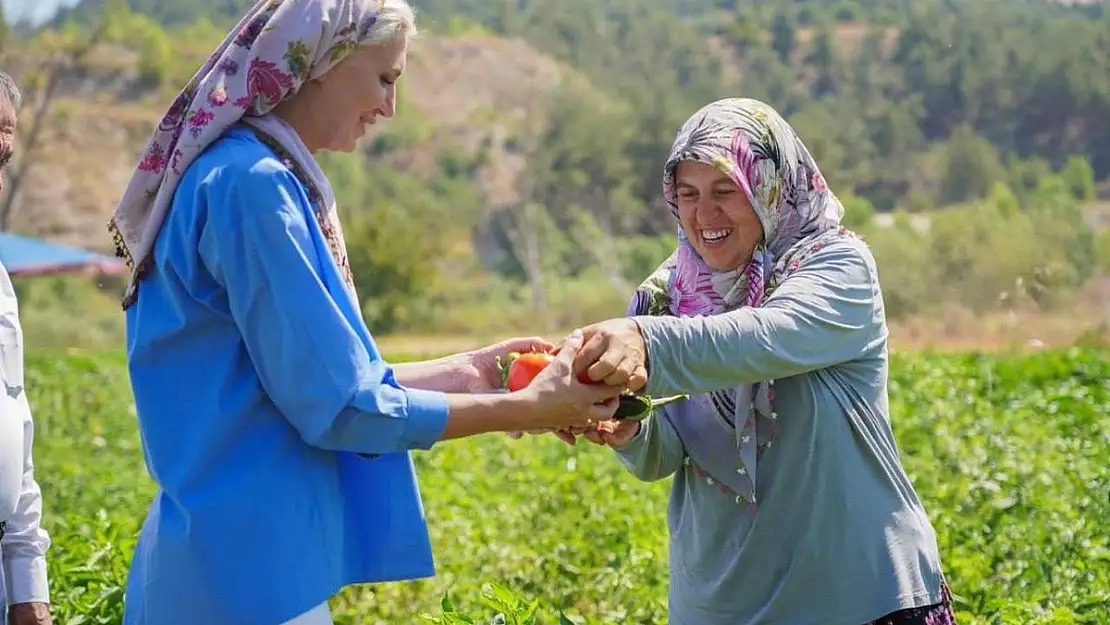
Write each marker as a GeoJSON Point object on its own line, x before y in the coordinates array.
{"type": "Point", "coordinates": [757, 148]}
{"type": "Point", "coordinates": [275, 48]}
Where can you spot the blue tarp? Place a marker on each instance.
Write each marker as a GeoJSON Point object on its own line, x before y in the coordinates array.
{"type": "Point", "coordinates": [24, 256]}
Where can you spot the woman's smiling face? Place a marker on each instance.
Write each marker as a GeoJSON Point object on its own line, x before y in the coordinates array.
{"type": "Point", "coordinates": [716, 216]}
{"type": "Point", "coordinates": [356, 92]}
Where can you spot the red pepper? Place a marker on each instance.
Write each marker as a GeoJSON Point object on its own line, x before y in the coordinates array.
{"type": "Point", "coordinates": [523, 368]}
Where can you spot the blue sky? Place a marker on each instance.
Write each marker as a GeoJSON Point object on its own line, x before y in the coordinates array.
{"type": "Point", "coordinates": [37, 10]}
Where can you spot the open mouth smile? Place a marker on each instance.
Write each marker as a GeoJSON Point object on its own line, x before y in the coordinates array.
{"type": "Point", "coordinates": [715, 236]}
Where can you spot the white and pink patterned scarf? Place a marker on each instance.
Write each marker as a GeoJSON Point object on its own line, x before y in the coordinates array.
{"type": "Point", "coordinates": [264, 60]}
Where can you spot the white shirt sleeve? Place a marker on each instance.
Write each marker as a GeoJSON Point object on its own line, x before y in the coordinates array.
{"type": "Point", "coordinates": [23, 548]}
{"type": "Point", "coordinates": [24, 545]}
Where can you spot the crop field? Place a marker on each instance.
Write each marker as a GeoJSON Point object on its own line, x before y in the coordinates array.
{"type": "Point", "coordinates": [1011, 455]}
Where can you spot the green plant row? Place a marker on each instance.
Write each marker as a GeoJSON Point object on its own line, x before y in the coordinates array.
{"type": "Point", "coordinates": [1008, 453]}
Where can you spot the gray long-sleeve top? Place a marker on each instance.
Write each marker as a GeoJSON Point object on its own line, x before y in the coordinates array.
{"type": "Point", "coordinates": [840, 537]}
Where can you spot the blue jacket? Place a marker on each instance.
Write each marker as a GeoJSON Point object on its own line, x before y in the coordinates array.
{"type": "Point", "coordinates": [257, 386]}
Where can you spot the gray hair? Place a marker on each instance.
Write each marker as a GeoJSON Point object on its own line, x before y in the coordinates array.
{"type": "Point", "coordinates": [11, 91]}
{"type": "Point", "coordinates": [394, 18]}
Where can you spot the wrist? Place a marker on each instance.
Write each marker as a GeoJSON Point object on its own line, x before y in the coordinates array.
{"type": "Point", "coordinates": [466, 371]}
{"type": "Point", "coordinates": [482, 413]}
{"type": "Point", "coordinates": [519, 410]}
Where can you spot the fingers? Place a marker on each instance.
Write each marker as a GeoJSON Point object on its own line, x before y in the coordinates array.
{"type": "Point", "coordinates": [599, 397]}
{"type": "Point", "coordinates": [623, 433]}
{"type": "Point", "coordinates": [595, 437]}
{"type": "Point", "coordinates": [539, 344]}
{"type": "Point", "coordinates": [566, 437]}
{"type": "Point", "coordinates": [607, 359]}
{"type": "Point", "coordinates": [638, 378]}
{"type": "Point", "coordinates": [606, 365]}
{"type": "Point", "coordinates": [606, 433]}
{"type": "Point", "coordinates": [594, 348]}
{"type": "Point", "coordinates": [570, 349]}
{"type": "Point", "coordinates": [517, 434]}
{"type": "Point", "coordinates": [607, 427]}
{"type": "Point", "coordinates": [523, 345]}
{"type": "Point", "coordinates": [627, 373]}
{"type": "Point", "coordinates": [604, 410]}
{"type": "Point", "coordinates": [615, 440]}
{"type": "Point", "coordinates": [622, 374]}
{"type": "Point", "coordinates": [568, 354]}
{"type": "Point", "coordinates": [615, 434]}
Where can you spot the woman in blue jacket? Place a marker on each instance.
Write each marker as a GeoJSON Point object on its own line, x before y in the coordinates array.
{"type": "Point", "coordinates": [278, 436]}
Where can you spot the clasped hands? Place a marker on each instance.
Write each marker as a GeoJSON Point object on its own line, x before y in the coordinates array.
{"type": "Point", "coordinates": [614, 357]}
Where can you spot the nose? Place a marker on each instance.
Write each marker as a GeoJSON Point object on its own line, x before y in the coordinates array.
{"type": "Point", "coordinates": [706, 208]}
{"type": "Point", "coordinates": [390, 106]}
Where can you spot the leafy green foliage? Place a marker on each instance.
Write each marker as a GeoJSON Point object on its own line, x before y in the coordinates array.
{"type": "Point", "coordinates": [1007, 452]}
{"type": "Point", "coordinates": [395, 254]}
{"type": "Point", "coordinates": [1027, 76]}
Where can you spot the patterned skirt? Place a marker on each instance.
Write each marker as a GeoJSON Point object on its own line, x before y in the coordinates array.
{"type": "Point", "coordinates": [936, 614]}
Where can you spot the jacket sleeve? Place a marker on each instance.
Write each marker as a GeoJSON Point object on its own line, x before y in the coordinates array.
{"type": "Point", "coordinates": [311, 360]}
{"type": "Point", "coordinates": [827, 312]}
{"type": "Point", "coordinates": [655, 452]}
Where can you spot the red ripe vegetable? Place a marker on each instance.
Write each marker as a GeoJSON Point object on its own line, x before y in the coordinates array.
{"type": "Point", "coordinates": [523, 368]}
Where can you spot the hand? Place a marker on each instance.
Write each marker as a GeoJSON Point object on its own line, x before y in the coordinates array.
{"type": "Point", "coordinates": [615, 434]}
{"type": "Point", "coordinates": [29, 614]}
{"type": "Point", "coordinates": [516, 434]}
{"type": "Point", "coordinates": [486, 377]}
{"type": "Point", "coordinates": [567, 435]}
{"type": "Point", "coordinates": [556, 399]}
{"type": "Point", "coordinates": [614, 353]}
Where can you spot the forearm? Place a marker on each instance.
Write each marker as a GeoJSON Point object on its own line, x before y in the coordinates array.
{"type": "Point", "coordinates": [433, 416]}
{"type": "Point", "coordinates": [449, 374]}
{"type": "Point", "coordinates": [485, 413]}
{"type": "Point", "coordinates": [702, 354]}
{"type": "Point", "coordinates": [825, 313]}
{"type": "Point", "coordinates": [655, 452]}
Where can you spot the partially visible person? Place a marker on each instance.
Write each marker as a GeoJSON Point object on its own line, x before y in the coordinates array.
{"type": "Point", "coordinates": [789, 503]}
{"type": "Point", "coordinates": [24, 596]}
{"type": "Point", "coordinates": [277, 434]}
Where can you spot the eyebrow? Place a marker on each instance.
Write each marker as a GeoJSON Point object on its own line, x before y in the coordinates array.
{"type": "Point", "coordinates": [723, 179]}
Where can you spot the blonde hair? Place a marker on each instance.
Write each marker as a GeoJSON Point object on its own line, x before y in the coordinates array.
{"type": "Point", "coordinates": [394, 18]}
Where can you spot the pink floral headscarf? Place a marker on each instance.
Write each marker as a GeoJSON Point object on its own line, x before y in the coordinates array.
{"type": "Point", "coordinates": [757, 148]}
{"type": "Point", "coordinates": [264, 60]}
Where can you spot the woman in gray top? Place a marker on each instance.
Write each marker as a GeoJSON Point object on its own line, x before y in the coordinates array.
{"type": "Point", "coordinates": [789, 504]}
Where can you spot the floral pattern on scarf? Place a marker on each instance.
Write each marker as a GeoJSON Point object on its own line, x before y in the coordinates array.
{"type": "Point", "coordinates": [275, 48]}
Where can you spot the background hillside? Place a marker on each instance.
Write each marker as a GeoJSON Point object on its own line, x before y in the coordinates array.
{"type": "Point", "coordinates": [969, 140]}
